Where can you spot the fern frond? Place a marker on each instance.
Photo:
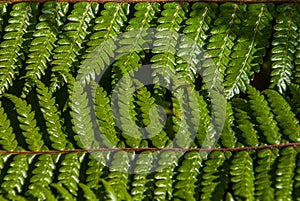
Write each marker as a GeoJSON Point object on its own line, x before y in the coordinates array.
{"type": "Point", "coordinates": [242, 176]}
{"type": "Point", "coordinates": [43, 43]}
{"type": "Point", "coordinates": [285, 117]}
{"type": "Point", "coordinates": [250, 48]}
{"type": "Point", "coordinates": [82, 119]}
{"type": "Point", "coordinates": [118, 176]}
{"type": "Point", "coordinates": [285, 173]}
{"type": "Point", "coordinates": [3, 11]}
{"type": "Point", "coordinates": [69, 172]}
{"type": "Point", "coordinates": [183, 125]}
{"type": "Point", "coordinates": [209, 178]}
{"type": "Point", "coordinates": [164, 176]}
{"type": "Point", "coordinates": [130, 132]}
{"type": "Point", "coordinates": [42, 174]}
{"type": "Point", "coordinates": [296, 186]}
{"type": "Point", "coordinates": [88, 194]}
{"type": "Point", "coordinates": [8, 139]}
{"type": "Point", "coordinates": [205, 128]}
{"type": "Point", "coordinates": [111, 22]}
{"type": "Point", "coordinates": [284, 46]}
{"type": "Point", "coordinates": [11, 52]}
{"type": "Point", "coordinates": [264, 189]}
{"type": "Point", "coordinates": [46, 193]}
{"type": "Point", "coordinates": [165, 42]}
{"type": "Point", "coordinates": [134, 40]}
{"type": "Point", "coordinates": [295, 91]}
{"type": "Point", "coordinates": [15, 176]}
{"type": "Point", "coordinates": [105, 118]}
{"type": "Point", "coordinates": [198, 26]}
{"type": "Point", "coordinates": [296, 72]}
{"type": "Point", "coordinates": [264, 116]}
{"type": "Point", "coordinates": [143, 184]}
{"type": "Point", "coordinates": [227, 137]}
{"type": "Point", "coordinates": [185, 187]}
{"type": "Point", "coordinates": [199, 22]}
{"type": "Point", "coordinates": [221, 42]}
{"type": "Point", "coordinates": [71, 42]}
{"type": "Point", "coordinates": [245, 124]}
{"type": "Point", "coordinates": [28, 123]}
{"type": "Point", "coordinates": [52, 117]}
{"type": "Point", "coordinates": [95, 170]}
{"type": "Point", "coordinates": [62, 192]}
{"type": "Point", "coordinates": [111, 194]}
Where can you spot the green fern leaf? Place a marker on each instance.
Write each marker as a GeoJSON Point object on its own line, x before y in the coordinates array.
{"type": "Point", "coordinates": [209, 179]}
{"type": "Point", "coordinates": [250, 48]}
{"type": "Point", "coordinates": [71, 42]}
{"type": "Point", "coordinates": [264, 189]}
{"type": "Point", "coordinates": [3, 11]}
{"type": "Point", "coordinates": [62, 192]}
{"type": "Point", "coordinates": [284, 174]}
{"type": "Point", "coordinates": [118, 176]}
{"type": "Point", "coordinates": [284, 46]}
{"type": "Point", "coordinates": [42, 174]}
{"type": "Point", "coordinates": [28, 123]}
{"type": "Point", "coordinates": [52, 117]}
{"type": "Point", "coordinates": [242, 177]}
{"type": "Point", "coordinates": [296, 186]}
{"type": "Point", "coordinates": [185, 187]}
{"type": "Point", "coordinates": [284, 116]}
{"type": "Point", "coordinates": [264, 116]}
{"type": "Point", "coordinates": [11, 55]}
{"type": "Point", "coordinates": [110, 23]}
{"type": "Point", "coordinates": [135, 39]}
{"type": "Point", "coordinates": [8, 139]}
{"type": "Point", "coordinates": [142, 185]}
{"type": "Point", "coordinates": [69, 171]}
{"type": "Point", "coordinates": [227, 137]}
{"type": "Point", "coordinates": [15, 176]}
{"type": "Point", "coordinates": [164, 176]}
{"type": "Point", "coordinates": [47, 194]}
{"type": "Point", "coordinates": [221, 42]}
{"type": "Point", "coordinates": [42, 45]}
{"type": "Point", "coordinates": [88, 193]}
{"type": "Point", "coordinates": [95, 170]}
{"type": "Point", "coordinates": [245, 123]}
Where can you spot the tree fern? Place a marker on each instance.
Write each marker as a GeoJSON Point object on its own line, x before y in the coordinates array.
{"type": "Point", "coordinates": [60, 131]}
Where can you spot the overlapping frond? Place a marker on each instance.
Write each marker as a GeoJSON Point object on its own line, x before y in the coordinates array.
{"type": "Point", "coordinates": [63, 119]}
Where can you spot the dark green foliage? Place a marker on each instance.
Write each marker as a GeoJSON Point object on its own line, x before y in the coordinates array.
{"type": "Point", "coordinates": [42, 45]}
{"type": "Point", "coordinates": [242, 176]}
{"type": "Point", "coordinates": [284, 45]}
{"type": "Point", "coordinates": [23, 16]}
{"type": "Point", "coordinates": [70, 43]}
{"type": "Point", "coordinates": [264, 190]}
{"type": "Point", "coordinates": [52, 53]}
{"type": "Point", "coordinates": [250, 48]}
{"type": "Point", "coordinates": [285, 173]}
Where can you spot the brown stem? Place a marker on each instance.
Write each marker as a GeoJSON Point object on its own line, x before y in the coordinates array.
{"type": "Point", "coordinates": [294, 144]}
